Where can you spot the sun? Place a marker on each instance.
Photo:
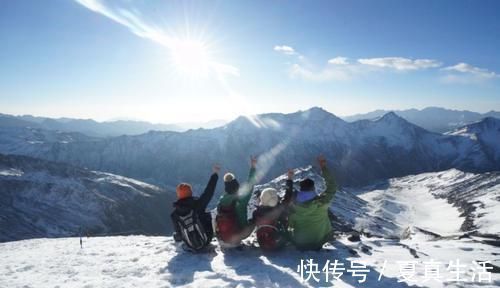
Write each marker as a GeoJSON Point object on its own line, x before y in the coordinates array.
{"type": "Point", "coordinates": [191, 58]}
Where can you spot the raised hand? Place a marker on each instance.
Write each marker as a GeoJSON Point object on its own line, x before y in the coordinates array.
{"type": "Point", "coordinates": [253, 161]}
{"type": "Point", "coordinates": [216, 168]}
{"type": "Point", "coordinates": [290, 174]}
{"type": "Point", "coordinates": [321, 161]}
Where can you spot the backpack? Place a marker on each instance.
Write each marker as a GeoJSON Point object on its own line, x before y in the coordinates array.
{"type": "Point", "coordinates": [192, 231]}
{"type": "Point", "coordinates": [269, 235]}
{"type": "Point", "coordinates": [227, 222]}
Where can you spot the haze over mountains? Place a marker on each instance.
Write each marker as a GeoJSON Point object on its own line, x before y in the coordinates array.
{"type": "Point", "coordinates": [360, 152]}
{"type": "Point", "coordinates": [100, 129]}
{"type": "Point", "coordinates": [434, 119]}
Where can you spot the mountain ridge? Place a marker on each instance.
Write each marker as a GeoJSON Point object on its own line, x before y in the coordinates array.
{"type": "Point", "coordinates": [436, 119]}
{"type": "Point", "coordinates": [95, 128]}
{"type": "Point", "coordinates": [361, 152]}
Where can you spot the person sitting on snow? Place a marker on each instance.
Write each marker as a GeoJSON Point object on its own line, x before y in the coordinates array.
{"type": "Point", "coordinates": [308, 222]}
{"type": "Point", "coordinates": [231, 222]}
{"type": "Point", "coordinates": [193, 225]}
{"type": "Point", "coordinates": [270, 217]}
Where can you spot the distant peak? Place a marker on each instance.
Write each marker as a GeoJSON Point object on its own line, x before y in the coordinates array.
{"type": "Point", "coordinates": [390, 115]}
{"type": "Point", "coordinates": [433, 108]}
{"type": "Point", "coordinates": [490, 120]}
{"type": "Point", "coordinates": [487, 123]}
{"type": "Point", "coordinates": [319, 111]}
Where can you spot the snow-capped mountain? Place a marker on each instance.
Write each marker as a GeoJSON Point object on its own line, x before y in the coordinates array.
{"type": "Point", "coordinates": [412, 220]}
{"type": "Point", "coordinates": [486, 133]}
{"type": "Point", "coordinates": [100, 129]}
{"type": "Point", "coordinates": [360, 152]}
{"type": "Point", "coordinates": [47, 199]}
{"type": "Point", "coordinates": [431, 118]}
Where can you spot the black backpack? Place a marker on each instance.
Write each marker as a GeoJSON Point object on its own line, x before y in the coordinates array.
{"type": "Point", "coordinates": [192, 231]}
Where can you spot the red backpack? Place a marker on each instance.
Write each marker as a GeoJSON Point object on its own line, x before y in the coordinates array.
{"type": "Point", "coordinates": [269, 236]}
{"type": "Point", "coordinates": [227, 223]}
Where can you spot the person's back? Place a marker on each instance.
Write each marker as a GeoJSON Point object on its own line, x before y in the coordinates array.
{"type": "Point", "coordinates": [309, 223]}
{"type": "Point", "coordinates": [271, 217]}
{"type": "Point", "coordinates": [193, 225]}
{"type": "Point", "coordinates": [232, 221]}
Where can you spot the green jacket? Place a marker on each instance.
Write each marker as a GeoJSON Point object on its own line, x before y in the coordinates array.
{"type": "Point", "coordinates": [309, 224]}
{"type": "Point", "coordinates": [242, 198]}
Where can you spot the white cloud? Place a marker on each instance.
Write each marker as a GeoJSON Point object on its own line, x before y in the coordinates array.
{"type": "Point", "coordinates": [400, 63]}
{"type": "Point", "coordinates": [287, 50]}
{"type": "Point", "coordinates": [338, 61]}
{"type": "Point", "coordinates": [340, 68]}
{"type": "Point", "coordinates": [469, 69]}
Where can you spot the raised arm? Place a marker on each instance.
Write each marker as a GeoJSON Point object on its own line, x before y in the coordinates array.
{"type": "Point", "coordinates": [251, 174]}
{"type": "Point", "coordinates": [210, 189]}
{"type": "Point", "coordinates": [331, 185]}
{"type": "Point", "coordinates": [247, 193]}
{"type": "Point", "coordinates": [289, 188]}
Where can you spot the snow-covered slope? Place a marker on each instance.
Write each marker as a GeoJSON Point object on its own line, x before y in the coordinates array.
{"type": "Point", "coordinates": [47, 199]}
{"type": "Point", "coordinates": [139, 261]}
{"type": "Point", "coordinates": [411, 202]}
{"type": "Point", "coordinates": [360, 152]}
{"type": "Point", "coordinates": [400, 219]}
{"type": "Point", "coordinates": [405, 221]}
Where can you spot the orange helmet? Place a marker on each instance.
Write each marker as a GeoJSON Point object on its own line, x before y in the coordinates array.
{"type": "Point", "coordinates": [184, 191]}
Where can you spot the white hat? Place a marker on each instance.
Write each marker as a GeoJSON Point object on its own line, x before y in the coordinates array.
{"type": "Point", "coordinates": [269, 197]}
{"type": "Point", "coordinates": [228, 177]}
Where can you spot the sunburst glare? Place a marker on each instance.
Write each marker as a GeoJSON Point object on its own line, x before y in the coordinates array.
{"type": "Point", "coordinates": [190, 57]}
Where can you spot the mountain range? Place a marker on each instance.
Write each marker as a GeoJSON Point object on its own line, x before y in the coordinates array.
{"type": "Point", "coordinates": [434, 119]}
{"type": "Point", "coordinates": [360, 152]}
{"type": "Point", "coordinates": [100, 129]}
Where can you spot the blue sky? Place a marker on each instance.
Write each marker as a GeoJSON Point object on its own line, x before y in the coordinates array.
{"type": "Point", "coordinates": [176, 61]}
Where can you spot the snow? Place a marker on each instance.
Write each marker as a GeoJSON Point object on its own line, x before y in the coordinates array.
{"type": "Point", "coordinates": [409, 204]}
{"type": "Point", "coordinates": [405, 215]}
{"type": "Point", "coordinates": [11, 172]}
{"type": "Point", "coordinates": [489, 222]}
{"type": "Point", "coordinates": [431, 201]}
{"type": "Point", "coordinates": [140, 261]}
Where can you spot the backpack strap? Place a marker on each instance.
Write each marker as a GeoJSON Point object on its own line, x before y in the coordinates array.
{"type": "Point", "coordinates": [267, 226]}
{"type": "Point", "coordinates": [189, 225]}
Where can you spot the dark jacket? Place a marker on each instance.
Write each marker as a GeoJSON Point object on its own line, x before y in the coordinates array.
{"type": "Point", "coordinates": [199, 205]}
